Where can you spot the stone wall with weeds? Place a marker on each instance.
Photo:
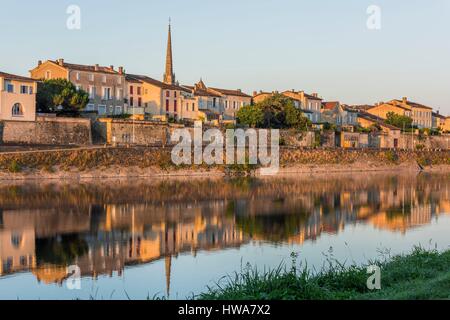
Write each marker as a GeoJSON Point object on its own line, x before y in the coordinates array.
{"type": "Point", "coordinates": [88, 159]}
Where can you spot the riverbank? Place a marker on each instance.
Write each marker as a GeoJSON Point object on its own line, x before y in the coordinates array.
{"type": "Point", "coordinates": [96, 163]}
{"type": "Point", "coordinates": [420, 275]}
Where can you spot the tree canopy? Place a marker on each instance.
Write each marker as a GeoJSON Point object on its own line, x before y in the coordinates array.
{"type": "Point", "coordinates": [277, 111]}
{"type": "Point", "coordinates": [60, 96]}
{"type": "Point", "coordinates": [398, 121]}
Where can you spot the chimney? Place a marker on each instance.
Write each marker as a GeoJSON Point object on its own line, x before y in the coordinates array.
{"type": "Point", "coordinates": [111, 67]}
{"type": "Point", "coordinates": [97, 67]}
{"type": "Point", "coordinates": [315, 95]}
{"type": "Point", "coordinates": [39, 62]}
{"type": "Point", "coordinates": [255, 93]}
{"type": "Point", "coordinates": [239, 90]}
{"type": "Point", "coordinates": [293, 90]}
{"type": "Point", "coordinates": [121, 70]}
{"type": "Point", "coordinates": [61, 62]}
{"type": "Point", "coordinates": [405, 100]}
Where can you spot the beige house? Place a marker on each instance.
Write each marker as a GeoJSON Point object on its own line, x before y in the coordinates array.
{"type": "Point", "coordinates": [310, 105]}
{"type": "Point", "coordinates": [309, 102]}
{"type": "Point", "coordinates": [105, 85]}
{"type": "Point", "coordinates": [339, 115]}
{"type": "Point", "coordinates": [441, 122]}
{"type": "Point", "coordinates": [388, 137]}
{"type": "Point", "coordinates": [154, 98]}
{"type": "Point", "coordinates": [17, 98]}
{"type": "Point", "coordinates": [420, 114]}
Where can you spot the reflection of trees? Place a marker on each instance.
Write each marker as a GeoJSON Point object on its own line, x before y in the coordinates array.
{"type": "Point", "coordinates": [60, 250]}
{"type": "Point", "coordinates": [396, 212]}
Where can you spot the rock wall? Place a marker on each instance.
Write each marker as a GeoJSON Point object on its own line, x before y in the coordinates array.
{"type": "Point", "coordinates": [48, 130]}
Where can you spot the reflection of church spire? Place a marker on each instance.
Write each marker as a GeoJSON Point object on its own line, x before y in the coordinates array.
{"type": "Point", "coordinates": [169, 76]}
{"type": "Point", "coordinates": [168, 274]}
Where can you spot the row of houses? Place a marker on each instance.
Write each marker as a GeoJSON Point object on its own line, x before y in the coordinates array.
{"type": "Point", "coordinates": [113, 91]}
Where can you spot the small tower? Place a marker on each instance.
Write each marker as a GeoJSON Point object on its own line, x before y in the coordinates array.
{"type": "Point", "coordinates": [169, 76]}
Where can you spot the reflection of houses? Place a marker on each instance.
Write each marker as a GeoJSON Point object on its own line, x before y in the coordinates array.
{"type": "Point", "coordinates": [105, 239]}
{"type": "Point", "coordinates": [17, 250]}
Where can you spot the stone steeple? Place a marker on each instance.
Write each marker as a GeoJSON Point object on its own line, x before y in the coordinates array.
{"type": "Point", "coordinates": [169, 76]}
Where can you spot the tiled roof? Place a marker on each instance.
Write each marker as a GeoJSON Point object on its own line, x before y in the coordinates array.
{"type": "Point", "coordinates": [9, 76]}
{"type": "Point", "coordinates": [162, 85]}
{"type": "Point", "coordinates": [202, 92]}
{"type": "Point", "coordinates": [237, 93]}
{"type": "Point", "coordinates": [330, 105]}
{"type": "Point", "coordinates": [414, 104]}
{"type": "Point", "coordinates": [88, 68]}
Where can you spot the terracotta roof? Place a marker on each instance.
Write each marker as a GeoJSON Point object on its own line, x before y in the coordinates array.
{"type": "Point", "coordinates": [237, 93]}
{"type": "Point", "coordinates": [202, 92]}
{"type": "Point", "coordinates": [9, 76]}
{"type": "Point", "coordinates": [88, 68]}
{"type": "Point", "coordinates": [162, 85]}
{"type": "Point", "coordinates": [414, 104]}
{"type": "Point", "coordinates": [330, 105]}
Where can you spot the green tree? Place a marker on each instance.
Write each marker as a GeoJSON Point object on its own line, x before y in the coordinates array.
{"type": "Point", "coordinates": [398, 121]}
{"type": "Point", "coordinates": [295, 118]}
{"type": "Point", "coordinates": [56, 93]}
{"type": "Point", "coordinates": [252, 116]}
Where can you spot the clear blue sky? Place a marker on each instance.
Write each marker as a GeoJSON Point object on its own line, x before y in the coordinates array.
{"type": "Point", "coordinates": [319, 46]}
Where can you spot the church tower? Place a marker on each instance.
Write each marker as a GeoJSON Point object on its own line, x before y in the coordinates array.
{"type": "Point", "coordinates": [169, 76]}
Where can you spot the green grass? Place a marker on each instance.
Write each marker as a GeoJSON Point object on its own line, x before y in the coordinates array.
{"type": "Point", "coordinates": [422, 274]}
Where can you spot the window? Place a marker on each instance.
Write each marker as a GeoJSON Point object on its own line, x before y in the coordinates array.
{"type": "Point", "coordinates": [119, 80]}
{"type": "Point", "coordinates": [139, 91]}
{"type": "Point", "coordinates": [175, 94]}
{"type": "Point", "coordinates": [119, 94]}
{"type": "Point", "coordinates": [118, 110]}
{"type": "Point", "coordinates": [214, 102]}
{"type": "Point", "coordinates": [77, 76]}
{"type": "Point", "coordinates": [131, 90]}
{"type": "Point", "coordinates": [92, 92]}
{"type": "Point", "coordinates": [9, 87]}
{"type": "Point", "coordinates": [168, 94]}
{"type": "Point", "coordinates": [17, 110]}
{"type": "Point", "coordinates": [193, 107]}
{"type": "Point", "coordinates": [30, 91]}
{"type": "Point", "coordinates": [48, 75]}
{"type": "Point", "coordinates": [90, 107]}
{"type": "Point", "coordinates": [24, 89]}
{"type": "Point", "coordinates": [106, 93]}
{"type": "Point", "coordinates": [175, 106]}
{"type": "Point", "coordinates": [226, 104]}
{"type": "Point", "coordinates": [91, 77]}
{"type": "Point", "coordinates": [104, 79]}
{"type": "Point", "coordinates": [167, 104]}
{"type": "Point", "coordinates": [102, 109]}
{"type": "Point", "coordinates": [131, 101]}
{"type": "Point", "coordinates": [139, 102]}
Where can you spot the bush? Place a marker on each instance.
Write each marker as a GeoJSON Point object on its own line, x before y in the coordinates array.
{"type": "Point", "coordinates": [14, 167]}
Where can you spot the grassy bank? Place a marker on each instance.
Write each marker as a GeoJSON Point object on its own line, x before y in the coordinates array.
{"type": "Point", "coordinates": [103, 158]}
{"type": "Point", "coordinates": [420, 275]}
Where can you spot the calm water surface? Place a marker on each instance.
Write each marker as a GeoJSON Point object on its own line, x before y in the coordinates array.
{"type": "Point", "coordinates": [173, 238]}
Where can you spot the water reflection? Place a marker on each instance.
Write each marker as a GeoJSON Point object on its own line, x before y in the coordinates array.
{"type": "Point", "coordinates": [106, 227]}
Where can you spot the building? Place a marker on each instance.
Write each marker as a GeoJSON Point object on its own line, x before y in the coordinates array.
{"type": "Point", "coordinates": [441, 122]}
{"type": "Point", "coordinates": [339, 115]}
{"type": "Point", "coordinates": [232, 101]}
{"type": "Point", "coordinates": [310, 105]}
{"type": "Point", "coordinates": [154, 98]}
{"type": "Point", "coordinates": [105, 85]}
{"type": "Point", "coordinates": [388, 136]}
{"type": "Point", "coordinates": [420, 114]}
{"type": "Point", "coordinates": [216, 102]}
{"type": "Point", "coordinates": [17, 97]}
{"type": "Point", "coordinates": [308, 102]}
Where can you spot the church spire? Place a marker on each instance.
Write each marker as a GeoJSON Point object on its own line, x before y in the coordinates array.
{"type": "Point", "coordinates": [169, 76]}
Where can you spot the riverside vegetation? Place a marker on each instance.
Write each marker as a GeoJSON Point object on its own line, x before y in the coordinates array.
{"type": "Point", "coordinates": [103, 158]}
{"type": "Point", "coordinates": [422, 274]}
